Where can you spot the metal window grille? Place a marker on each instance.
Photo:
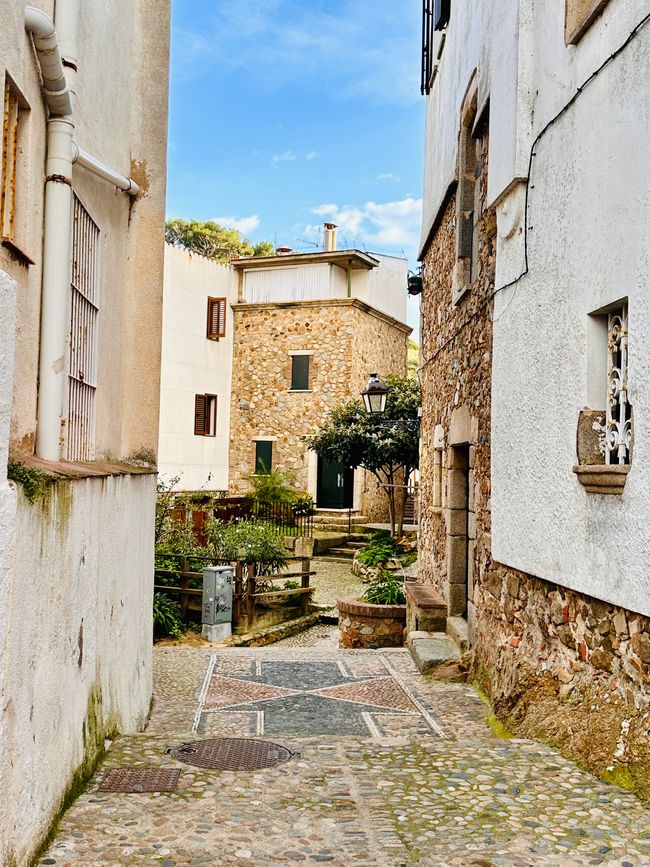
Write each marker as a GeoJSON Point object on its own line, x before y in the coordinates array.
{"type": "Point", "coordinates": [9, 161]}
{"type": "Point", "coordinates": [619, 411]}
{"type": "Point", "coordinates": [263, 456]}
{"type": "Point", "coordinates": [300, 372]}
{"type": "Point", "coordinates": [427, 46]}
{"type": "Point", "coordinates": [82, 354]}
{"type": "Point", "coordinates": [216, 318]}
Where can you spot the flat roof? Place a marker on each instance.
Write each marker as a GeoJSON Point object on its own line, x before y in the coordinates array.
{"type": "Point", "coordinates": [356, 260]}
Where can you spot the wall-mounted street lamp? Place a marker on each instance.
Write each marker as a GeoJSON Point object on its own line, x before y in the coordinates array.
{"type": "Point", "coordinates": [374, 397]}
{"type": "Point", "coordinates": [414, 284]}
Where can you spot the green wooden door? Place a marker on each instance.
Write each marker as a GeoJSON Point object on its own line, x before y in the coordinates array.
{"type": "Point", "coordinates": [335, 485]}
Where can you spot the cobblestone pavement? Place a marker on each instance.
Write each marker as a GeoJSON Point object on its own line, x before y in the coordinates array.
{"type": "Point", "coordinates": [390, 768]}
{"type": "Point", "coordinates": [334, 580]}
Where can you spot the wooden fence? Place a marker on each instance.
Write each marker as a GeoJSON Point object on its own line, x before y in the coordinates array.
{"type": "Point", "coordinates": [246, 594]}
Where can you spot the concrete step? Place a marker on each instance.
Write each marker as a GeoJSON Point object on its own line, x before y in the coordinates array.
{"type": "Point", "coordinates": [457, 631]}
{"type": "Point", "coordinates": [342, 552]}
{"type": "Point", "coordinates": [431, 649]}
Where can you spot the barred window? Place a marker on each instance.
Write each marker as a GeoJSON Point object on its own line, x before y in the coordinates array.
{"type": "Point", "coordinates": [82, 352]}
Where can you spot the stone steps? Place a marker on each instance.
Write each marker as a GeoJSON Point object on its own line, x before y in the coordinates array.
{"type": "Point", "coordinates": [431, 649]}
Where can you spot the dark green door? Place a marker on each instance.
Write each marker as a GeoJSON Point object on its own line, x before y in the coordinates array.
{"type": "Point", "coordinates": [335, 485]}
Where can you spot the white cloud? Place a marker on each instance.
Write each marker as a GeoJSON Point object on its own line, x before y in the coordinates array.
{"type": "Point", "coordinates": [386, 227]}
{"type": "Point", "coordinates": [286, 157]}
{"type": "Point", "coordinates": [367, 48]}
{"type": "Point", "coordinates": [311, 155]}
{"type": "Point", "coordinates": [387, 176]}
{"type": "Point", "coordinates": [242, 224]}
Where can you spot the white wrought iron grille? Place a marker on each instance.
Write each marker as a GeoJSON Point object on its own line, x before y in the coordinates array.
{"type": "Point", "coordinates": [619, 411]}
{"type": "Point", "coordinates": [82, 356]}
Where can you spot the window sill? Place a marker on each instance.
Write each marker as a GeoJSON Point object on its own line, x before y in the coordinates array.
{"type": "Point", "coordinates": [300, 390]}
{"type": "Point", "coordinates": [602, 479]}
{"type": "Point", "coordinates": [459, 294]}
{"type": "Point", "coordinates": [17, 253]}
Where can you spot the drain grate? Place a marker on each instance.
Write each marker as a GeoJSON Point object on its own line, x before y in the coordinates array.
{"type": "Point", "coordinates": [141, 780]}
{"type": "Point", "coordinates": [232, 754]}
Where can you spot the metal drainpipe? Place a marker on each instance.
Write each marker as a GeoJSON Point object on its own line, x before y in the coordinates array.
{"type": "Point", "coordinates": [57, 216]}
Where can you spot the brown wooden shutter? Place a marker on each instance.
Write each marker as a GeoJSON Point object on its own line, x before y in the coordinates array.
{"type": "Point", "coordinates": [200, 406]}
{"type": "Point", "coordinates": [216, 318]}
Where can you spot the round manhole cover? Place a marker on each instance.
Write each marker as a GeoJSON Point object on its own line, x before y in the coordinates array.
{"type": "Point", "coordinates": [232, 754]}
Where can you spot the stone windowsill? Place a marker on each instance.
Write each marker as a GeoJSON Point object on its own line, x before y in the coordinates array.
{"type": "Point", "coordinates": [601, 478]}
{"type": "Point", "coordinates": [459, 294]}
{"type": "Point", "coordinates": [300, 390]}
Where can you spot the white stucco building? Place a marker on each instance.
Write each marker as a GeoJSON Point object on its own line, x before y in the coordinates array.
{"type": "Point", "coordinates": [536, 210]}
{"type": "Point", "coordinates": [84, 97]}
{"type": "Point", "coordinates": [196, 371]}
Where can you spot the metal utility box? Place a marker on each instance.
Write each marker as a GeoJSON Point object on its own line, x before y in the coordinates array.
{"type": "Point", "coordinates": [217, 602]}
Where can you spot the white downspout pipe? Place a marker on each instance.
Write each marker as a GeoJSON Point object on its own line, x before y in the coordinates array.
{"type": "Point", "coordinates": [46, 43]}
{"type": "Point", "coordinates": [81, 157]}
{"type": "Point", "coordinates": [56, 224]}
{"type": "Point", "coordinates": [58, 62]}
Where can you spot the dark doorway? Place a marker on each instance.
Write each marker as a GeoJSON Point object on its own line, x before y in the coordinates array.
{"type": "Point", "coordinates": [335, 488]}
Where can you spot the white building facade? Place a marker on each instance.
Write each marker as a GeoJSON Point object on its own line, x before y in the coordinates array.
{"type": "Point", "coordinates": [557, 456]}
{"type": "Point", "coordinates": [84, 97]}
{"type": "Point", "coordinates": [196, 375]}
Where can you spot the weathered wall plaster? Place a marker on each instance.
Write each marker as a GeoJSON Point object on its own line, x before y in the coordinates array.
{"type": "Point", "coordinates": [589, 215]}
{"type": "Point", "coordinates": [77, 639]}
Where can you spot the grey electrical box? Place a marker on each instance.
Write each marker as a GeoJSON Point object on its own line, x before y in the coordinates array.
{"type": "Point", "coordinates": [217, 602]}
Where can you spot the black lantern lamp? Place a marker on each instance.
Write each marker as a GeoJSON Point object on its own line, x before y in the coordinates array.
{"type": "Point", "coordinates": [374, 397]}
{"type": "Point", "coordinates": [414, 283]}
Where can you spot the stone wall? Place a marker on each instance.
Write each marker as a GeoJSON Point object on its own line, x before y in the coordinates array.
{"type": "Point", "coordinates": [529, 626]}
{"type": "Point", "coordinates": [527, 634]}
{"type": "Point", "coordinates": [362, 624]}
{"type": "Point", "coordinates": [456, 394]}
{"type": "Point", "coordinates": [346, 339]}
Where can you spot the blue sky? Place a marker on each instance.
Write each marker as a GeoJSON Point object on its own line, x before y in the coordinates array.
{"type": "Point", "coordinates": [287, 113]}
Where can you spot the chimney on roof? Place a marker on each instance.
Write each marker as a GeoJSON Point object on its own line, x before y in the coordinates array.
{"type": "Point", "coordinates": [283, 251]}
{"type": "Point", "coordinates": [329, 243]}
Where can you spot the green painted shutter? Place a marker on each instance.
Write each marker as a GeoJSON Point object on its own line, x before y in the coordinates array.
{"type": "Point", "coordinates": [300, 372]}
{"type": "Point", "coordinates": [263, 457]}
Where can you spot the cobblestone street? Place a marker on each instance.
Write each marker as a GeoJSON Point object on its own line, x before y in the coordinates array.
{"type": "Point", "coordinates": [390, 768]}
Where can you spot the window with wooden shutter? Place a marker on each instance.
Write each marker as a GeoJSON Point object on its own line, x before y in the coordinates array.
{"type": "Point", "coordinates": [216, 318]}
{"type": "Point", "coordinates": [263, 456]}
{"type": "Point", "coordinates": [205, 415]}
{"type": "Point", "coordinates": [300, 372]}
{"type": "Point", "coordinates": [9, 162]}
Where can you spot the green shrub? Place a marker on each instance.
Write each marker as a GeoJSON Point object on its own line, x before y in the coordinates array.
{"type": "Point", "coordinates": [167, 618]}
{"type": "Point", "coordinates": [35, 482]}
{"type": "Point", "coordinates": [253, 542]}
{"type": "Point", "coordinates": [388, 589]}
{"type": "Point", "coordinates": [381, 548]}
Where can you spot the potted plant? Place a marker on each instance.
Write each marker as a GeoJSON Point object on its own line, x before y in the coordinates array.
{"type": "Point", "coordinates": [378, 618]}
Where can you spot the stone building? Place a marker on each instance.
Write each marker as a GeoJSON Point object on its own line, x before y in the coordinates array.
{"type": "Point", "coordinates": [309, 328]}
{"type": "Point", "coordinates": [84, 99]}
{"type": "Point", "coordinates": [535, 273]}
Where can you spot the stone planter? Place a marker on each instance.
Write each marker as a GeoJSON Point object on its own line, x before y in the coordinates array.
{"type": "Point", "coordinates": [362, 624]}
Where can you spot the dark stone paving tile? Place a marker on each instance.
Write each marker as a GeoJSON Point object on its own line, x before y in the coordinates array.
{"type": "Point", "coordinates": [309, 715]}
{"type": "Point", "coordinates": [302, 675]}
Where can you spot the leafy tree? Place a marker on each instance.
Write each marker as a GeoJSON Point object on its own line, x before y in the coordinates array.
{"type": "Point", "coordinates": [264, 248]}
{"type": "Point", "coordinates": [212, 240]}
{"type": "Point", "coordinates": [387, 447]}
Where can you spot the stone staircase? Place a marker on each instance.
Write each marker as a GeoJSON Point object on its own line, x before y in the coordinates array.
{"type": "Point", "coordinates": [432, 638]}
{"type": "Point", "coordinates": [344, 552]}
{"type": "Point", "coordinates": [338, 520]}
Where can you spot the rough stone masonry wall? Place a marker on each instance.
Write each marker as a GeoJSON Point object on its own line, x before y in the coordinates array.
{"type": "Point", "coordinates": [456, 376]}
{"type": "Point", "coordinates": [530, 636]}
{"type": "Point", "coordinates": [347, 341]}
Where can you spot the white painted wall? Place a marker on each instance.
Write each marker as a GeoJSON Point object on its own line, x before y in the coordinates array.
{"type": "Point", "coordinates": [588, 247]}
{"type": "Point", "coordinates": [387, 286]}
{"type": "Point", "coordinates": [191, 365]}
{"type": "Point", "coordinates": [77, 639]}
{"type": "Point", "coordinates": [383, 287]}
